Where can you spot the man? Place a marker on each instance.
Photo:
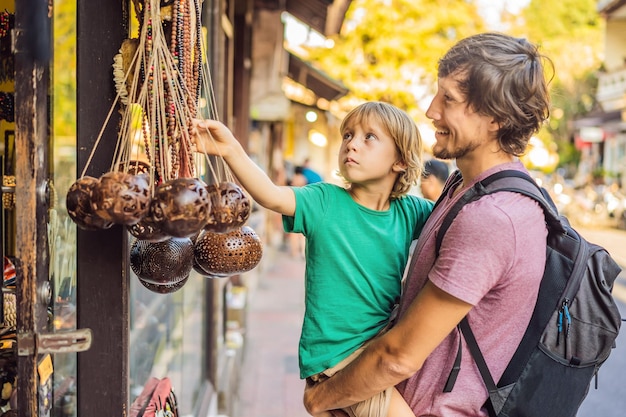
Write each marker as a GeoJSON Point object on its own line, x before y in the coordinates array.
{"type": "Point", "coordinates": [492, 96]}
{"type": "Point", "coordinates": [433, 178]}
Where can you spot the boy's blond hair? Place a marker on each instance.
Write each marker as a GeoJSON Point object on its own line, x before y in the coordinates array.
{"type": "Point", "coordinates": [405, 134]}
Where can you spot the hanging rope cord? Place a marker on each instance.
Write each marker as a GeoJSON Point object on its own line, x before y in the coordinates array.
{"type": "Point", "coordinates": [207, 82]}
{"type": "Point", "coordinates": [162, 88]}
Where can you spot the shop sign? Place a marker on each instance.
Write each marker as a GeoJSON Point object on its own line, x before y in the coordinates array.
{"type": "Point", "coordinates": [591, 134]}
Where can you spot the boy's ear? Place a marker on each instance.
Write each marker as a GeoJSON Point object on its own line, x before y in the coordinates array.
{"type": "Point", "coordinates": [399, 166]}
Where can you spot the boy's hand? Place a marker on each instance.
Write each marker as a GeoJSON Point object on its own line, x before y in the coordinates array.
{"type": "Point", "coordinates": [212, 137]}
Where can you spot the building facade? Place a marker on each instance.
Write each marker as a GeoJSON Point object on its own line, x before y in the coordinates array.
{"type": "Point", "coordinates": [601, 136]}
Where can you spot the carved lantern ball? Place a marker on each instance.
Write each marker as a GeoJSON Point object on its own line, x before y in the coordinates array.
{"type": "Point", "coordinates": [228, 253]}
{"type": "Point", "coordinates": [230, 207]}
{"type": "Point", "coordinates": [135, 167]}
{"type": "Point", "coordinates": [206, 274]}
{"type": "Point", "coordinates": [78, 203]}
{"type": "Point", "coordinates": [162, 263]}
{"type": "Point", "coordinates": [180, 207]}
{"type": "Point", "coordinates": [164, 288]}
{"type": "Point", "coordinates": [121, 197]}
{"type": "Point", "coordinates": [148, 229]}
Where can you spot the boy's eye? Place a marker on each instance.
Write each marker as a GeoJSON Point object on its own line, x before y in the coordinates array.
{"type": "Point", "coordinates": [347, 136]}
{"type": "Point", "coordinates": [370, 136]}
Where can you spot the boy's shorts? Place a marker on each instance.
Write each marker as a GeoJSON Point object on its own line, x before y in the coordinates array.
{"type": "Point", "coordinates": [377, 406]}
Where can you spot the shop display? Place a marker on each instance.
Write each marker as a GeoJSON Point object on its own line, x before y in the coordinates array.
{"type": "Point", "coordinates": [8, 339]}
{"type": "Point", "coordinates": [7, 60]}
{"type": "Point", "coordinates": [153, 188]}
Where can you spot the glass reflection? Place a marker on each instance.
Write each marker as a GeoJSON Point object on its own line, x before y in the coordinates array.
{"type": "Point", "coordinates": [61, 230]}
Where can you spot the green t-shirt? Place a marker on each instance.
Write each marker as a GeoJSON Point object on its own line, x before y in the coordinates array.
{"type": "Point", "coordinates": [355, 258]}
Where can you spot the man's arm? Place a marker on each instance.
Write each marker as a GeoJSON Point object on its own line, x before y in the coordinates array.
{"type": "Point", "coordinates": [393, 357]}
{"type": "Point", "coordinates": [214, 138]}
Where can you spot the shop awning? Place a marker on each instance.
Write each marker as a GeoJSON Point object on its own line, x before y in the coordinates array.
{"type": "Point", "coordinates": [324, 16]}
{"type": "Point", "coordinates": [597, 118]}
{"type": "Point", "coordinates": [315, 80]}
{"type": "Point", "coordinates": [607, 7]}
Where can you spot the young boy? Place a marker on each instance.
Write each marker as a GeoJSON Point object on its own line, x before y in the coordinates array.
{"type": "Point", "coordinates": [358, 236]}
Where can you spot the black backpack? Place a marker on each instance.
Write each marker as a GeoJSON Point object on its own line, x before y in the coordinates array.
{"type": "Point", "coordinates": [573, 326]}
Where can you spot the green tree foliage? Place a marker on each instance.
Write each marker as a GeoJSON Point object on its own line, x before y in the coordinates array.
{"type": "Point", "coordinates": [64, 68]}
{"type": "Point", "coordinates": [388, 49]}
{"type": "Point", "coordinates": [570, 32]}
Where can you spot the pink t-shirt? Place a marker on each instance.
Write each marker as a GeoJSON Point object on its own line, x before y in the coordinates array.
{"type": "Point", "coordinates": [493, 257]}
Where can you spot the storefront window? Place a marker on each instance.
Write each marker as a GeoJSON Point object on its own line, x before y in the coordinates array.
{"type": "Point", "coordinates": [61, 230]}
{"type": "Point", "coordinates": [167, 339]}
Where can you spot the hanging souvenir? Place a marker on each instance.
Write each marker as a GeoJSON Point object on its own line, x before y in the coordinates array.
{"type": "Point", "coordinates": [162, 263]}
{"type": "Point", "coordinates": [147, 229]}
{"type": "Point", "coordinates": [228, 253]}
{"type": "Point", "coordinates": [152, 187]}
{"type": "Point", "coordinates": [78, 204]}
{"type": "Point", "coordinates": [230, 207]}
{"type": "Point", "coordinates": [121, 198]}
{"type": "Point", "coordinates": [181, 207]}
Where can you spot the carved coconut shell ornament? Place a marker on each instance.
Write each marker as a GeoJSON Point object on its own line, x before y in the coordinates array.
{"type": "Point", "coordinates": [180, 207]}
{"type": "Point", "coordinates": [230, 207]}
{"type": "Point", "coordinates": [206, 274]}
{"type": "Point", "coordinates": [164, 288]}
{"type": "Point", "coordinates": [78, 204]}
{"type": "Point", "coordinates": [135, 167]}
{"type": "Point", "coordinates": [162, 263]}
{"type": "Point", "coordinates": [148, 229]}
{"type": "Point", "coordinates": [121, 198]}
{"type": "Point", "coordinates": [228, 253]}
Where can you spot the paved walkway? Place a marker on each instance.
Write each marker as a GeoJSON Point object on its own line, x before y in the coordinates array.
{"type": "Point", "coordinates": [270, 384]}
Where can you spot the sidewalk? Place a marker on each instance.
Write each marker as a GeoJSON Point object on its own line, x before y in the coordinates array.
{"type": "Point", "coordinates": [270, 383]}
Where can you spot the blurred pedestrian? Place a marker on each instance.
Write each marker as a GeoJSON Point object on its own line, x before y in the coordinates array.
{"type": "Point", "coordinates": [297, 241]}
{"type": "Point", "coordinates": [311, 175]}
{"type": "Point", "coordinates": [433, 178]}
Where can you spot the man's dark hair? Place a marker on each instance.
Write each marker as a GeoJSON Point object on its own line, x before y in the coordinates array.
{"type": "Point", "coordinates": [502, 77]}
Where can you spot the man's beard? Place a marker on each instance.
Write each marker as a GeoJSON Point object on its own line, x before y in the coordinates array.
{"type": "Point", "coordinates": [443, 153]}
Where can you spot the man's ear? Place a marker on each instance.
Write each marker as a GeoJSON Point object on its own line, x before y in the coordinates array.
{"type": "Point", "coordinates": [494, 126]}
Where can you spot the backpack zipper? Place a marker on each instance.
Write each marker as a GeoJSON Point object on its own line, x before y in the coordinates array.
{"type": "Point", "coordinates": [564, 311]}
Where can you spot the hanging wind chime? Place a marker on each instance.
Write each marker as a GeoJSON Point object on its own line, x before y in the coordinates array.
{"type": "Point", "coordinates": [178, 222]}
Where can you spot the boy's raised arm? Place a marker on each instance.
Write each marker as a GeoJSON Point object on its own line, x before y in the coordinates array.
{"type": "Point", "coordinates": [214, 138]}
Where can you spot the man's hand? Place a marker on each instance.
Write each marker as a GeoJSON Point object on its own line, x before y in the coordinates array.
{"type": "Point", "coordinates": [333, 413]}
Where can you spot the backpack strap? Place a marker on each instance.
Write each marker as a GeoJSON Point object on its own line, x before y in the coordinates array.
{"type": "Point", "coordinates": [506, 180]}
{"type": "Point", "coordinates": [453, 180]}
{"type": "Point", "coordinates": [472, 345]}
